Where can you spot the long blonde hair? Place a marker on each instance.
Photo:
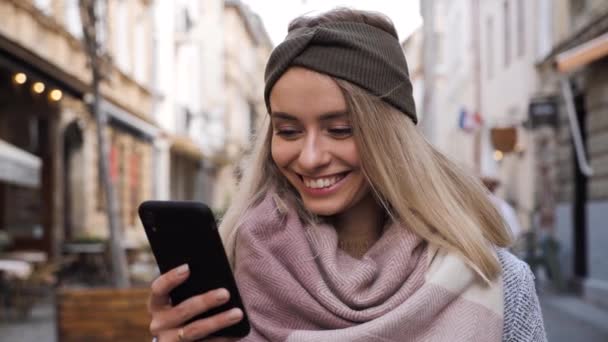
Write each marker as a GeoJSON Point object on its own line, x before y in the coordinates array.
{"type": "Point", "coordinates": [416, 184]}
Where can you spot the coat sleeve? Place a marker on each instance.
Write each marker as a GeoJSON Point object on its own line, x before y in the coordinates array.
{"type": "Point", "coordinates": [523, 320]}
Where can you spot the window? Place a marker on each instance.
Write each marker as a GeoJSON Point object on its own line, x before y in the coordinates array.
{"type": "Point", "coordinates": [489, 47]}
{"type": "Point", "coordinates": [141, 61]}
{"type": "Point", "coordinates": [183, 22]}
{"type": "Point", "coordinates": [72, 18]}
{"type": "Point", "coordinates": [578, 6]}
{"type": "Point", "coordinates": [545, 27]}
{"type": "Point", "coordinates": [507, 32]}
{"type": "Point", "coordinates": [44, 6]}
{"type": "Point", "coordinates": [121, 36]}
{"type": "Point", "coordinates": [521, 28]}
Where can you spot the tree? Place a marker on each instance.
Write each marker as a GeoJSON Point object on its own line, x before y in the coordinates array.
{"type": "Point", "coordinates": [91, 13]}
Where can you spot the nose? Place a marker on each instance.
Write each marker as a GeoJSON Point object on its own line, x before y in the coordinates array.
{"type": "Point", "coordinates": [314, 154]}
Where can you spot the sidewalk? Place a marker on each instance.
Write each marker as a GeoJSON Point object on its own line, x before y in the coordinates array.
{"type": "Point", "coordinates": [569, 318]}
{"type": "Point", "coordinates": [38, 327]}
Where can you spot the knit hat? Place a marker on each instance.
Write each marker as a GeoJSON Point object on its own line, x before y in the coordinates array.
{"type": "Point", "coordinates": [362, 54]}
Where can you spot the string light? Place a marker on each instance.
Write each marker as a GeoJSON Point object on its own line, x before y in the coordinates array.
{"type": "Point", "coordinates": [55, 95]}
{"type": "Point", "coordinates": [498, 155]}
{"type": "Point", "coordinates": [38, 87]}
{"type": "Point", "coordinates": [20, 78]}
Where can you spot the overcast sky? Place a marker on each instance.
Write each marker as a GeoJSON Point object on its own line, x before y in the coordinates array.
{"type": "Point", "coordinates": [277, 14]}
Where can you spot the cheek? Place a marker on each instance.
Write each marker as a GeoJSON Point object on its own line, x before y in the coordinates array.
{"type": "Point", "coordinates": [281, 153]}
{"type": "Point", "coordinates": [350, 154]}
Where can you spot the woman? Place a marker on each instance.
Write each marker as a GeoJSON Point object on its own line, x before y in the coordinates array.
{"type": "Point", "coordinates": [348, 225]}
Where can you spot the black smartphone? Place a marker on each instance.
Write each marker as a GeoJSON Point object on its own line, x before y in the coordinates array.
{"type": "Point", "coordinates": [185, 232]}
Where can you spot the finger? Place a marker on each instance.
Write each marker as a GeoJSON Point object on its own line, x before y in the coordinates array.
{"type": "Point", "coordinates": [159, 297]}
{"type": "Point", "coordinates": [178, 315]}
{"type": "Point", "coordinates": [169, 336]}
{"type": "Point", "coordinates": [204, 327]}
{"type": "Point", "coordinates": [222, 339]}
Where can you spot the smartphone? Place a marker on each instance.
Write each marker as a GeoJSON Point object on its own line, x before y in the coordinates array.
{"type": "Point", "coordinates": [185, 232]}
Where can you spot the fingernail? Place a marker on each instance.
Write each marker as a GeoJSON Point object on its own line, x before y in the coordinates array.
{"type": "Point", "coordinates": [222, 295]}
{"type": "Point", "coordinates": [183, 269]}
{"type": "Point", "coordinates": [235, 314]}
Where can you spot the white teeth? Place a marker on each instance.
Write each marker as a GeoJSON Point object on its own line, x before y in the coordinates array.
{"type": "Point", "coordinates": [321, 182]}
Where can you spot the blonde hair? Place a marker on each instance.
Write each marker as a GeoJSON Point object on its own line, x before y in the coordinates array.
{"type": "Point", "coordinates": [416, 184]}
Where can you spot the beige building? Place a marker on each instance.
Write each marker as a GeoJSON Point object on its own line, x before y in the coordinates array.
{"type": "Point", "coordinates": [481, 58]}
{"type": "Point", "coordinates": [537, 72]}
{"type": "Point", "coordinates": [48, 133]}
{"type": "Point", "coordinates": [181, 156]}
{"type": "Point", "coordinates": [246, 49]}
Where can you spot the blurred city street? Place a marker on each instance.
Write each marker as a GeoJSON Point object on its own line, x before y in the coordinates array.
{"type": "Point", "coordinates": [566, 319]}
{"type": "Point", "coordinates": [107, 103]}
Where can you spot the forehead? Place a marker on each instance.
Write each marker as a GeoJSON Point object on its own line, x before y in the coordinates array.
{"type": "Point", "coordinates": [303, 92]}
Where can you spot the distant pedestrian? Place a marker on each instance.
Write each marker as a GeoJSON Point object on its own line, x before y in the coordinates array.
{"type": "Point", "coordinates": [348, 225]}
{"type": "Point", "coordinates": [507, 212]}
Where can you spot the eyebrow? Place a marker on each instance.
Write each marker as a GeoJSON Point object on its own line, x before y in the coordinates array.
{"type": "Point", "coordinates": [325, 117]}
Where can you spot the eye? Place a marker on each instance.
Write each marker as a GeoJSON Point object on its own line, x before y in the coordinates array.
{"type": "Point", "coordinates": [287, 132]}
{"type": "Point", "coordinates": [341, 132]}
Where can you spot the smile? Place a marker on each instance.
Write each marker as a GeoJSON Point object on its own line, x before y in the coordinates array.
{"type": "Point", "coordinates": [322, 182]}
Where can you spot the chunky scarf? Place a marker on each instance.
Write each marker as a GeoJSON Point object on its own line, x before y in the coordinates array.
{"type": "Point", "coordinates": [297, 285]}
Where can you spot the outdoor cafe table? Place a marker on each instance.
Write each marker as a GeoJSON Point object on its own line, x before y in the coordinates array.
{"type": "Point", "coordinates": [31, 256]}
{"type": "Point", "coordinates": [15, 268]}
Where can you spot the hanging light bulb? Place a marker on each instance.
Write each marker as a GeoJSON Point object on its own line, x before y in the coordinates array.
{"type": "Point", "coordinates": [55, 95]}
{"type": "Point", "coordinates": [38, 87]}
{"type": "Point", "coordinates": [20, 78]}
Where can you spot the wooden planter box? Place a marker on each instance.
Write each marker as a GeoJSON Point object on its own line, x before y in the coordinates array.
{"type": "Point", "coordinates": [102, 314]}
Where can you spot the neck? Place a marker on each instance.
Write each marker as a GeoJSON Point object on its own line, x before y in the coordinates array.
{"type": "Point", "coordinates": [359, 227]}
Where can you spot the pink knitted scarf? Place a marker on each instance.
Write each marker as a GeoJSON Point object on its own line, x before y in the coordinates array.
{"type": "Point", "coordinates": [298, 285]}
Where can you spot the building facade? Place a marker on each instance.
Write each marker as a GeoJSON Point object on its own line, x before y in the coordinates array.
{"type": "Point", "coordinates": [480, 77]}
{"type": "Point", "coordinates": [574, 74]}
{"type": "Point", "coordinates": [535, 71]}
{"type": "Point", "coordinates": [181, 154]}
{"type": "Point", "coordinates": [49, 132]}
{"type": "Point", "coordinates": [245, 52]}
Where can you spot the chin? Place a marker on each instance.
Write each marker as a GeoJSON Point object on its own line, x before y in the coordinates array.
{"type": "Point", "coordinates": [322, 209]}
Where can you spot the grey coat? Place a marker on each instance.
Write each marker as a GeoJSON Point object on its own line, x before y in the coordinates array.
{"type": "Point", "coordinates": [523, 320]}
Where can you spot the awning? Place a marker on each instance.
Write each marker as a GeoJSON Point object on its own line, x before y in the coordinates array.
{"type": "Point", "coordinates": [582, 54]}
{"type": "Point", "coordinates": [187, 147]}
{"type": "Point", "coordinates": [18, 166]}
{"type": "Point", "coordinates": [130, 120]}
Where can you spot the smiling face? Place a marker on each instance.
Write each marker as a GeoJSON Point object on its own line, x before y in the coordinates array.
{"type": "Point", "coordinates": [313, 144]}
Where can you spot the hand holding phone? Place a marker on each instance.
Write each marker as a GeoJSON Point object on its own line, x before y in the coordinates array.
{"type": "Point", "coordinates": [196, 291]}
{"type": "Point", "coordinates": [168, 321]}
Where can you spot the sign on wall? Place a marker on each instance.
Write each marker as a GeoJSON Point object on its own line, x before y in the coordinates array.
{"type": "Point", "coordinates": [543, 112]}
